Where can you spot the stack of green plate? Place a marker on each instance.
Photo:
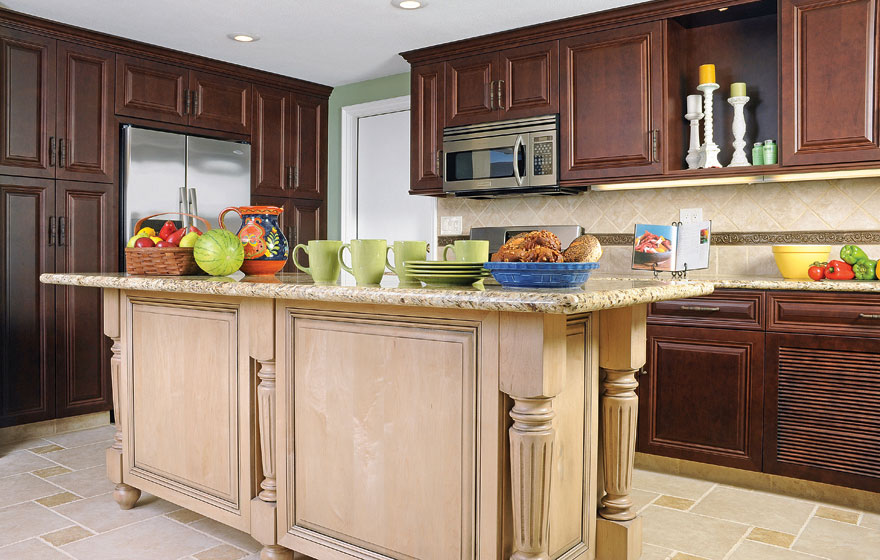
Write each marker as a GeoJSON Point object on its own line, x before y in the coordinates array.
{"type": "Point", "coordinates": [446, 273]}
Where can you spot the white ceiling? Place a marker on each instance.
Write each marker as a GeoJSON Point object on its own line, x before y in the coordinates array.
{"type": "Point", "coordinates": [329, 42]}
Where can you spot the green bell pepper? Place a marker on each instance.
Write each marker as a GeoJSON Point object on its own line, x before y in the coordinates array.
{"type": "Point", "coordinates": [851, 254]}
{"type": "Point", "coordinates": [865, 269]}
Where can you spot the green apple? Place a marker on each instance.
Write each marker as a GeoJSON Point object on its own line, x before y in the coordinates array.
{"type": "Point", "coordinates": [189, 239]}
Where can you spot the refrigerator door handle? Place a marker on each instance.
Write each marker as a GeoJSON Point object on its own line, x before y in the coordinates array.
{"type": "Point", "coordinates": [182, 205]}
{"type": "Point", "coordinates": [193, 205]}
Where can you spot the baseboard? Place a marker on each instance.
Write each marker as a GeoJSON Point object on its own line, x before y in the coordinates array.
{"type": "Point", "coordinates": [51, 427]}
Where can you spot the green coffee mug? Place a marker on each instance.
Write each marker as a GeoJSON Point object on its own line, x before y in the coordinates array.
{"type": "Point", "coordinates": [406, 251]}
{"type": "Point", "coordinates": [367, 260]}
{"type": "Point", "coordinates": [470, 250]}
{"type": "Point", "coordinates": [323, 260]}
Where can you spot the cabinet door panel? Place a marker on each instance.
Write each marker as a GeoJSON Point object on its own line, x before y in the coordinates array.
{"type": "Point", "coordinates": [27, 359]}
{"type": "Point", "coordinates": [86, 243]}
{"type": "Point", "coordinates": [151, 90]}
{"type": "Point", "coordinates": [26, 98]}
{"type": "Point", "coordinates": [220, 103]}
{"type": "Point", "coordinates": [530, 84]}
{"type": "Point", "coordinates": [426, 129]}
{"type": "Point", "coordinates": [702, 396]}
{"type": "Point", "coordinates": [270, 142]}
{"type": "Point", "coordinates": [829, 80]}
{"type": "Point", "coordinates": [308, 142]}
{"type": "Point", "coordinates": [85, 114]}
{"type": "Point", "coordinates": [611, 93]}
{"type": "Point", "coordinates": [469, 95]}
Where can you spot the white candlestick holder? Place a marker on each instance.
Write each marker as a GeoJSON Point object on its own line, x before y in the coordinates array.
{"type": "Point", "coordinates": [709, 150]}
{"type": "Point", "coordinates": [739, 131]}
{"type": "Point", "coordinates": [693, 155]}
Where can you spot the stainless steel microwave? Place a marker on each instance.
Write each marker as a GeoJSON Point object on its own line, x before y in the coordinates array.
{"type": "Point", "coordinates": [502, 158]}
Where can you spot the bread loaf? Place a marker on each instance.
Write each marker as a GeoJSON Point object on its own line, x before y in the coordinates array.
{"type": "Point", "coordinates": [585, 248]}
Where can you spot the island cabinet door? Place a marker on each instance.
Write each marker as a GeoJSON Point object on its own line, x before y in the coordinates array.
{"type": "Point", "coordinates": [829, 81]}
{"type": "Point", "coordinates": [700, 398]}
{"type": "Point", "coordinates": [611, 92]}
{"type": "Point", "coordinates": [427, 119]}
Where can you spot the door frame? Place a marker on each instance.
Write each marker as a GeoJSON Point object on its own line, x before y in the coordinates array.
{"type": "Point", "coordinates": [351, 114]}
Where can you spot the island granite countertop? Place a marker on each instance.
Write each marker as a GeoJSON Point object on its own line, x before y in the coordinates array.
{"type": "Point", "coordinates": [597, 294]}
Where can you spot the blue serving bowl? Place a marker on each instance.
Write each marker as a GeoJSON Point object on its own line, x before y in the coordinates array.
{"type": "Point", "coordinates": [541, 274]}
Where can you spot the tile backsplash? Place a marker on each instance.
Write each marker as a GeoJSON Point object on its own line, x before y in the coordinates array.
{"type": "Point", "coordinates": [837, 205]}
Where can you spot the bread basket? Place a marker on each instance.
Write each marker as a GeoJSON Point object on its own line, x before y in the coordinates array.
{"type": "Point", "coordinates": [162, 261]}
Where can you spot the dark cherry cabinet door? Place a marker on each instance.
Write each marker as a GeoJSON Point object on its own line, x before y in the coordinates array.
{"type": "Point", "coordinates": [86, 129]}
{"type": "Point", "coordinates": [822, 410]}
{"type": "Point", "coordinates": [701, 398]}
{"type": "Point", "coordinates": [309, 147]}
{"type": "Point", "coordinates": [220, 103]}
{"type": "Point", "coordinates": [86, 242]}
{"type": "Point", "coordinates": [27, 307]}
{"type": "Point", "coordinates": [151, 90]}
{"type": "Point", "coordinates": [270, 142]}
{"type": "Point", "coordinates": [426, 128]}
{"type": "Point", "coordinates": [611, 97]}
{"type": "Point", "coordinates": [829, 81]}
{"type": "Point", "coordinates": [529, 81]}
{"type": "Point", "coordinates": [471, 92]}
{"type": "Point", "coordinates": [27, 73]}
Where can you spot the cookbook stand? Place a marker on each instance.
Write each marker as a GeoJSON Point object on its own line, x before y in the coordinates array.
{"type": "Point", "coordinates": [676, 275]}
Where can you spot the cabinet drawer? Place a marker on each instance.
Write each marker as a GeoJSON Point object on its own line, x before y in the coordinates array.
{"type": "Point", "coordinates": [825, 313]}
{"type": "Point", "coordinates": [724, 308]}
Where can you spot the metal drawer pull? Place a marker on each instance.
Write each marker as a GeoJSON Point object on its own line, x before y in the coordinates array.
{"type": "Point", "coordinates": [698, 308]}
{"type": "Point", "coordinates": [869, 315]}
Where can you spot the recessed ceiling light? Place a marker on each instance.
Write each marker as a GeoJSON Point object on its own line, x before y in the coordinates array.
{"type": "Point", "coordinates": [243, 38]}
{"type": "Point", "coordinates": [408, 4]}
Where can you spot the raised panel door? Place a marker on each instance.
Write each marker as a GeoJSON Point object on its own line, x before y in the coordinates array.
{"type": "Point", "coordinates": [151, 90]}
{"type": "Point", "coordinates": [270, 143]}
{"type": "Point", "coordinates": [829, 81]}
{"type": "Point", "coordinates": [611, 103]}
{"type": "Point", "coordinates": [308, 145]}
{"type": "Point", "coordinates": [27, 86]}
{"type": "Point", "coordinates": [702, 396]}
{"type": "Point", "coordinates": [471, 95]}
{"type": "Point", "coordinates": [87, 242]}
{"type": "Point", "coordinates": [27, 316]}
{"type": "Point", "coordinates": [87, 139]}
{"type": "Point", "coordinates": [426, 128]}
{"type": "Point", "coordinates": [530, 81]}
{"type": "Point", "coordinates": [220, 103]}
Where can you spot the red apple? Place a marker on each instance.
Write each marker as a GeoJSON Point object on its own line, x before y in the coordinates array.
{"type": "Point", "coordinates": [143, 242]}
{"type": "Point", "coordinates": [165, 244]}
{"type": "Point", "coordinates": [167, 229]}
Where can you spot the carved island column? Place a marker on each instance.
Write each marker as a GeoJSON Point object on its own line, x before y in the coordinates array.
{"type": "Point", "coordinates": [260, 325]}
{"type": "Point", "coordinates": [126, 496]}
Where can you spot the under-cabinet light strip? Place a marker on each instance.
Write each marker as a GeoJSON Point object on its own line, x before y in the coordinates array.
{"type": "Point", "coordinates": [741, 180]}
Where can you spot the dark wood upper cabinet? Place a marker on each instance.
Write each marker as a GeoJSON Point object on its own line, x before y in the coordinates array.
{"type": "Point", "coordinates": [309, 146]}
{"type": "Point", "coordinates": [829, 81]}
{"type": "Point", "coordinates": [151, 90]}
{"type": "Point", "coordinates": [611, 103]}
{"type": "Point", "coordinates": [427, 119]}
{"type": "Point", "coordinates": [529, 81]}
{"type": "Point", "coordinates": [86, 242]}
{"type": "Point", "coordinates": [27, 307]}
{"type": "Point", "coordinates": [270, 142]}
{"type": "Point", "coordinates": [27, 73]}
{"type": "Point", "coordinates": [220, 103]}
{"type": "Point", "coordinates": [86, 131]}
{"type": "Point", "coordinates": [471, 94]}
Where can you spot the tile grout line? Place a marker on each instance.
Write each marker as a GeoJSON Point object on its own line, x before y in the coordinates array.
{"type": "Point", "coordinates": [700, 499]}
{"type": "Point", "coordinates": [221, 539]}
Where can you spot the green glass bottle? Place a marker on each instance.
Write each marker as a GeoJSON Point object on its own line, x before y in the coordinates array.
{"type": "Point", "coordinates": [758, 154]}
{"type": "Point", "coordinates": [770, 152]}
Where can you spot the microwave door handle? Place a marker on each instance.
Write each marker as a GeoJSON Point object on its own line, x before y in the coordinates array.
{"type": "Point", "coordinates": [516, 147]}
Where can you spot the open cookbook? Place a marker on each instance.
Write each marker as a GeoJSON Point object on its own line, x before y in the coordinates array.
{"type": "Point", "coordinates": [674, 248]}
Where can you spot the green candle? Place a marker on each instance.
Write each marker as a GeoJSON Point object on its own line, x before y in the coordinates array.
{"type": "Point", "coordinates": [738, 89]}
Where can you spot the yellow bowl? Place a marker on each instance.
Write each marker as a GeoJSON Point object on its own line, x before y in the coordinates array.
{"type": "Point", "coordinates": [794, 260]}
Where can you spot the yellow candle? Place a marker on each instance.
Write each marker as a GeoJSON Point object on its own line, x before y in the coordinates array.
{"type": "Point", "coordinates": [738, 89]}
{"type": "Point", "coordinates": [707, 74]}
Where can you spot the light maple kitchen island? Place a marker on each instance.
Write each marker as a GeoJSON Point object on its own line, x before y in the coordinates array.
{"type": "Point", "coordinates": [349, 422]}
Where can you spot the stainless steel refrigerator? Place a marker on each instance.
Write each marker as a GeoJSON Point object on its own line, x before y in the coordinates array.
{"type": "Point", "coordinates": [165, 171]}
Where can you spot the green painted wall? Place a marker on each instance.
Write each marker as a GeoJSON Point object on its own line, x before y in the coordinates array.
{"type": "Point", "coordinates": [351, 94]}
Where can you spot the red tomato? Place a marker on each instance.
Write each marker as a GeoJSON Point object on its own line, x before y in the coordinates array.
{"type": "Point", "coordinates": [816, 272]}
{"type": "Point", "coordinates": [143, 242]}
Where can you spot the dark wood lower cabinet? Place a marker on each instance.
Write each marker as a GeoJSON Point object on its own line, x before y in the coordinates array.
{"type": "Point", "coordinates": [701, 397]}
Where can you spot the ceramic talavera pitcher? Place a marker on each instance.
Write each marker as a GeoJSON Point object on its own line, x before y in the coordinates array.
{"type": "Point", "coordinates": [265, 247]}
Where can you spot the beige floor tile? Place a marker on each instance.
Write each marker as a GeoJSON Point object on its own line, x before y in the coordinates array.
{"type": "Point", "coordinates": [184, 516]}
{"type": "Point", "coordinates": [651, 552]}
{"type": "Point", "coordinates": [49, 472]}
{"type": "Point", "coordinates": [765, 510]}
{"type": "Point", "coordinates": [6, 448]}
{"type": "Point", "coordinates": [20, 462]}
{"type": "Point", "coordinates": [66, 535]}
{"type": "Point", "coordinates": [58, 499]}
{"type": "Point", "coordinates": [685, 556]}
{"type": "Point", "coordinates": [690, 533]}
{"type": "Point", "coordinates": [838, 541]}
{"type": "Point", "coordinates": [153, 539]}
{"type": "Point", "coordinates": [27, 520]}
{"type": "Point", "coordinates": [671, 485]}
{"type": "Point", "coordinates": [641, 498]}
{"type": "Point", "coordinates": [227, 534]}
{"type": "Point", "coordinates": [83, 437]}
{"type": "Point", "coordinates": [871, 521]}
{"type": "Point", "coordinates": [45, 448]}
{"type": "Point", "coordinates": [842, 515]}
{"type": "Point", "coordinates": [771, 537]}
{"type": "Point", "coordinates": [221, 552]}
{"type": "Point", "coordinates": [87, 482]}
{"type": "Point", "coordinates": [32, 549]}
{"type": "Point", "coordinates": [23, 487]}
{"type": "Point", "coordinates": [674, 503]}
{"type": "Point", "coordinates": [751, 550]}
{"type": "Point", "coordinates": [101, 513]}
{"type": "Point", "coordinates": [81, 457]}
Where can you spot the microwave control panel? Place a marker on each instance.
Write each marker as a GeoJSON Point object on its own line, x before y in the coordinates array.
{"type": "Point", "coordinates": [543, 150]}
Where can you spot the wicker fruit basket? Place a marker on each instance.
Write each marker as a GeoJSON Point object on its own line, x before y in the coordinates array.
{"type": "Point", "coordinates": [162, 261]}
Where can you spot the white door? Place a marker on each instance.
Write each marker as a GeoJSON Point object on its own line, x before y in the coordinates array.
{"type": "Point", "coordinates": [385, 209]}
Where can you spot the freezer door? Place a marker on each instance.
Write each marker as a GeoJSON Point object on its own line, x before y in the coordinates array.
{"type": "Point", "coordinates": [220, 174]}
{"type": "Point", "coordinates": [154, 171]}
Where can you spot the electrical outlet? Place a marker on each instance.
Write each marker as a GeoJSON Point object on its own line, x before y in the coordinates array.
{"type": "Point", "coordinates": [690, 215]}
{"type": "Point", "coordinates": [450, 225]}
